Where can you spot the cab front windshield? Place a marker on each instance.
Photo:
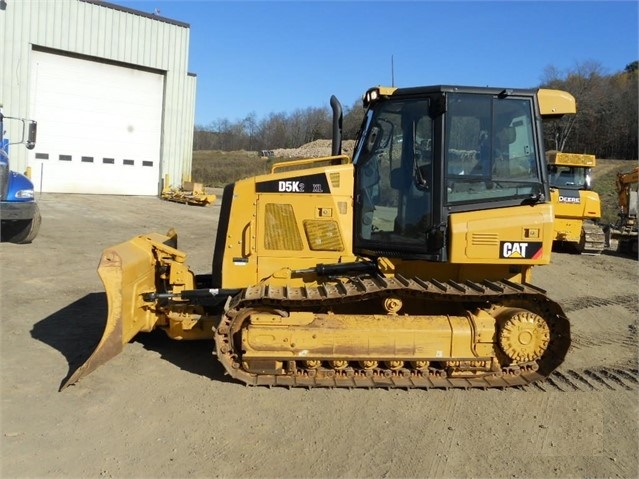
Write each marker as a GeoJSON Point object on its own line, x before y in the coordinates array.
{"type": "Point", "coordinates": [394, 164]}
{"type": "Point", "coordinates": [570, 177]}
{"type": "Point", "coordinates": [490, 151]}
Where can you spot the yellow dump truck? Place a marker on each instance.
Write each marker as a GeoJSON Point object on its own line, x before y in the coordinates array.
{"type": "Point", "coordinates": [577, 207]}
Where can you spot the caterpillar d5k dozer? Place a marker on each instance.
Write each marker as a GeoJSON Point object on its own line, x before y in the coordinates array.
{"type": "Point", "coordinates": [407, 266]}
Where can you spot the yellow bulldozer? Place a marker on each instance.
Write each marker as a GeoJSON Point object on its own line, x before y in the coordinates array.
{"type": "Point", "coordinates": [408, 265]}
{"type": "Point", "coordinates": [577, 207]}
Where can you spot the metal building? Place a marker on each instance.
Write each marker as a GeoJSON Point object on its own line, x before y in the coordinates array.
{"type": "Point", "coordinates": [109, 88]}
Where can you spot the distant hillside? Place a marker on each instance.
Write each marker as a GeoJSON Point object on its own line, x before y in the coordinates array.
{"type": "Point", "coordinates": [218, 168]}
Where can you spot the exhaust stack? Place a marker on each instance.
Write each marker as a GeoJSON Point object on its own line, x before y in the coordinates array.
{"type": "Point", "coordinates": [337, 126]}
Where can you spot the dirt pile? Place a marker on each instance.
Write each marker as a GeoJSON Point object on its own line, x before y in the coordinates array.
{"type": "Point", "coordinates": [315, 149]}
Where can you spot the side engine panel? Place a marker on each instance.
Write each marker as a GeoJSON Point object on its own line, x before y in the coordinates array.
{"type": "Point", "coordinates": [273, 224]}
{"type": "Point", "coordinates": [518, 236]}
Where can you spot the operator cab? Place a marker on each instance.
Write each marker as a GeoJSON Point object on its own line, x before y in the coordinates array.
{"type": "Point", "coordinates": [426, 153]}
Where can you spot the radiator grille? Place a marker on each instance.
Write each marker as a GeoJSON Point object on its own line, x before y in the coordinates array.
{"type": "Point", "coordinates": [281, 228]}
{"type": "Point", "coordinates": [484, 239]}
{"type": "Point", "coordinates": [334, 177]}
{"type": "Point", "coordinates": [323, 235]}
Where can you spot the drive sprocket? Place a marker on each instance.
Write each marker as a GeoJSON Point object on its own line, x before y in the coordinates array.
{"type": "Point", "coordinates": [524, 336]}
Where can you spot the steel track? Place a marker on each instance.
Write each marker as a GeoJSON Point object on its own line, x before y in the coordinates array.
{"type": "Point", "coordinates": [485, 294]}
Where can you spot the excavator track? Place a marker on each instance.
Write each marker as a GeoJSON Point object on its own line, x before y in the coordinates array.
{"type": "Point", "coordinates": [361, 292]}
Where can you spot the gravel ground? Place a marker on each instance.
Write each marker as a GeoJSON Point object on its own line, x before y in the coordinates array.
{"type": "Point", "coordinates": [165, 409]}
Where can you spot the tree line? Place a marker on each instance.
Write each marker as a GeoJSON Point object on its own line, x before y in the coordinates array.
{"type": "Point", "coordinates": [606, 123]}
{"type": "Point", "coordinates": [607, 111]}
{"type": "Point", "coordinates": [277, 130]}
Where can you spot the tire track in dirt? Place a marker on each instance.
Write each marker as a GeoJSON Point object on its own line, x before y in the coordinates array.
{"type": "Point", "coordinates": [583, 302]}
{"type": "Point", "coordinates": [590, 379]}
{"type": "Point", "coordinates": [580, 341]}
{"type": "Point", "coordinates": [453, 412]}
{"type": "Point", "coordinates": [599, 377]}
{"type": "Point", "coordinates": [627, 338]}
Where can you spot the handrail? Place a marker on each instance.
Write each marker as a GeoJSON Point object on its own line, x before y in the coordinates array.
{"type": "Point", "coordinates": [307, 162]}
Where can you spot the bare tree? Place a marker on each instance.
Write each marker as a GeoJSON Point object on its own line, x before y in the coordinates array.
{"type": "Point", "coordinates": [606, 120]}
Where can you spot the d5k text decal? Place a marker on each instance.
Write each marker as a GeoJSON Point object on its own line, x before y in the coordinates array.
{"type": "Point", "coordinates": [303, 184]}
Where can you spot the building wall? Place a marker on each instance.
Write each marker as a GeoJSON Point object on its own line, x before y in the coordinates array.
{"type": "Point", "coordinates": [104, 32]}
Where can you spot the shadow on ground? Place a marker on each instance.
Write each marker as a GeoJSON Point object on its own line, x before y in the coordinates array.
{"type": "Point", "coordinates": [76, 329]}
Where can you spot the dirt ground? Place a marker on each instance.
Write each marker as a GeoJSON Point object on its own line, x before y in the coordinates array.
{"type": "Point", "coordinates": [164, 408]}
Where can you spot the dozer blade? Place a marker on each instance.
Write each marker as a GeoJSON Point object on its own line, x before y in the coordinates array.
{"type": "Point", "coordinates": [127, 271]}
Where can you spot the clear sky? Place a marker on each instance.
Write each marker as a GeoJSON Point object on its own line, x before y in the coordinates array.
{"type": "Point", "coordinates": [266, 57]}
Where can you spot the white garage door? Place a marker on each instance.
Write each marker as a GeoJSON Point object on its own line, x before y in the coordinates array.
{"type": "Point", "coordinates": [99, 126]}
